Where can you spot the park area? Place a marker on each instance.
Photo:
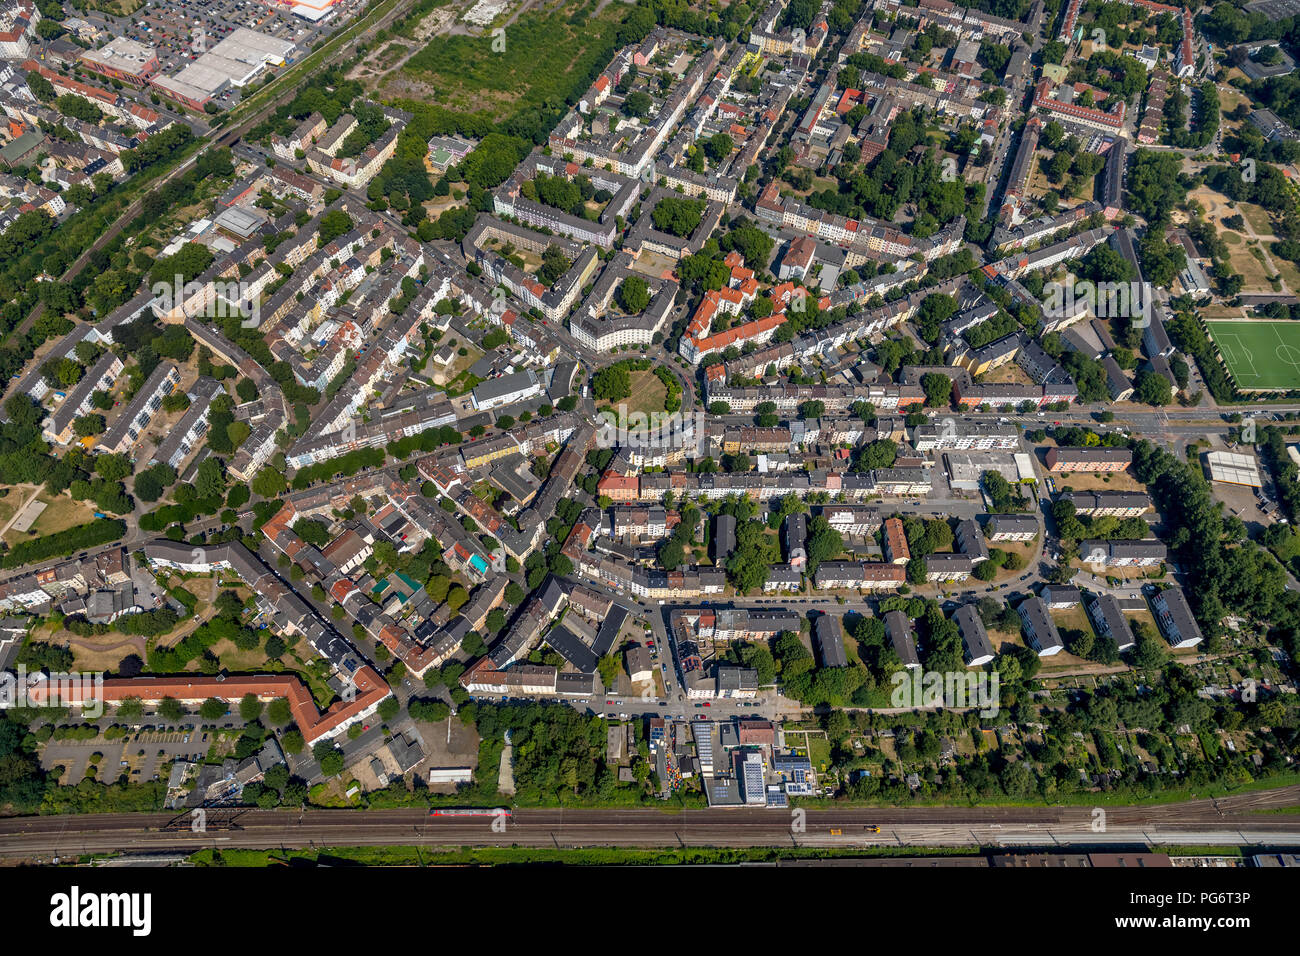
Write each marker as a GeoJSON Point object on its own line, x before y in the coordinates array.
{"type": "Point", "coordinates": [1260, 356]}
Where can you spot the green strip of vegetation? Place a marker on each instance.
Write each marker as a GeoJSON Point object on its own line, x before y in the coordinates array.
{"type": "Point", "coordinates": [530, 856]}
{"type": "Point", "coordinates": [63, 543]}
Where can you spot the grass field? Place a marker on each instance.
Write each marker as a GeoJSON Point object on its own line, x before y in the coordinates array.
{"type": "Point", "coordinates": [60, 514]}
{"type": "Point", "coordinates": [1260, 355]}
{"type": "Point", "coordinates": [544, 54]}
{"type": "Point", "coordinates": [648, 394]}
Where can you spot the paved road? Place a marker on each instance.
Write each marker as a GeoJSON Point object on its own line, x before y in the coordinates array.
{"type": "Point", "coordinates": [1229, 821]}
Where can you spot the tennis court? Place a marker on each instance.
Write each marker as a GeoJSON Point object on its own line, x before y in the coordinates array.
{"type": "Point", "coordinates": [1259, 355]}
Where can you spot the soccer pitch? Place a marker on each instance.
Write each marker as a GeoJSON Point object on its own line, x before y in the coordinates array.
{"type": "Point", "coordinates": [1260, 355]}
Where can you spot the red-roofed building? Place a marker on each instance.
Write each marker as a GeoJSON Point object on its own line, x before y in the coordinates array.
{"type": "Point", "coordinates": [619, 487]}
{"type": "Point", "coordinates": [193, 689]}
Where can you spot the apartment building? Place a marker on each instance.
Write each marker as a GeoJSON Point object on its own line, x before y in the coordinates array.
{"type": "Point", "coordinates": [1109, 620]}
{"type": "Point", "coordinates": [902, 638]}
{"type": "Point", "coordinates": [1142, 553]}
{"type": "Point", "coordinates": [124, 433]}
{"type": "Point", "coordinates": [1012, 528]}
{"type": "Point", "coordinates": [976, 647]}
{"type": "Point", "coordinates": [58, 427]}
{"type": "Point", "coordinates": [1174, 615]}
{"type": "Point", "coordinates": [1116, 504]}
{"type": "Point", "coordinates": [1066, 459]}
{"type": "Point", "coordinates": [1040, 630]}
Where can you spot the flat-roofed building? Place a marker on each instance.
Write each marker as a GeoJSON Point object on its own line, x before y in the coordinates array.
{"type": "Point", "coordinates": [506, 390]}
{"type": "Point", "coordinates": [1233, 468]}
{"type": "Point", "coordinates": [124, 59]}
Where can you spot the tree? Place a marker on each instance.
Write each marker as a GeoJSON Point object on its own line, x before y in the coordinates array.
{"type": "Point", "coordinates": [1152, 388]}
{"type": "Point", "coordinates": [113, 467]}
{"type": "Point", "coordinates": [250, 708]}
{"type": "Point", "coordinates": [880, 453]}
{"type": "Point", "coordinates": [634, 295]}
{"type": "Point", "coordinates": [1148, 651]}
{"type": "Point", "coordinates": [278, 712]}
{"type": "Point", "coordinates": [637, 103]}
{"type": "Point", "coordinates": [937, 388]}
{"type": "Point", "coordinates": [609, 668]}
{"type": "Point", "coordinates": [87, 425]}
{"type": "Point", "coordinates": [1153, 183]}
{"type": "Point", "coordinates": [212, 708]}
{"type": "Point", "coordinates": [612, 383]}
{"type": "Point", "coordinates": [428, 709]}
{"type": "Point", "coordinates": [677, 216]}
{"type": "Point", "coordinates": [719, 146]}
{"type": "Point", "coordinates": [269, 483]}
{"type": "Point", "coordinates": [332, 225]}
{"type": "Point", "coordinates": [329, 757]}
{"type": "Point", "coordinates": [209, 481]}
{"type": "Point", "coordinates": [916, 570]}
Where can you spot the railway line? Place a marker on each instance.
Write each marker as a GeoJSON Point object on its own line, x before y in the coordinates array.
{"type": "Point", "coordinates": [1229, 821]}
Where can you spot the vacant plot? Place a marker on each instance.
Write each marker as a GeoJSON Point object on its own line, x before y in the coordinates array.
{"type": "Point", "coordinates": [1258, 218]}
{"type": "Point", "coordinates": [545, 56]}
{"type": "Point", "coordinates": [1261, 356]}
{"type": "Point", "coordinates": [1288, 271]}
{"type": "Point", "coordinates": [1010, 373]}
{"type": "Point", "coordinates": [1099, 481]}
{"type": "Point", "coordinates": [648, 393]}
{"type": "Point", "coordinates": [1074, 618]}
{"type": "Point", "coordinates": [60, 513]}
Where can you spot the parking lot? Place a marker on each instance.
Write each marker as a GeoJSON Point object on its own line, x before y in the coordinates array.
{"type": "Point", "coordinates": [138, 755]}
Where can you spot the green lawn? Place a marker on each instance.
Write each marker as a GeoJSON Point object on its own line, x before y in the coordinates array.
{"type": "Point", "coordinates": [1259, 355]}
